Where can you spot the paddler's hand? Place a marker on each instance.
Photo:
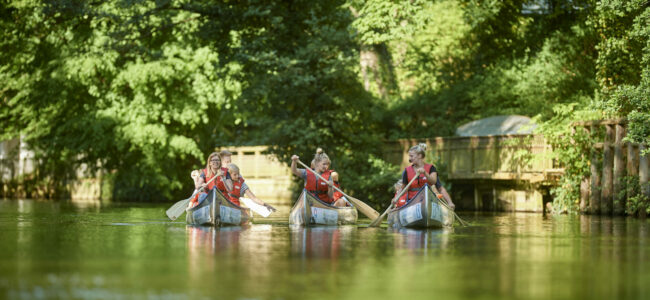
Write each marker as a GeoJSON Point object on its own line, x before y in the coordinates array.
{"type": "Point", "coordinates": [220, 172]}
{"type": "Point", "coordinates": [451, 205]}
{"type": "Point", "coordinates": [335, 176]}
{"type": "Point", "coordinates": [295, 158]}
{"type": "Point", "coordinates": [420, 170]}
{"type": "Point", "coordinates": [269, 207]}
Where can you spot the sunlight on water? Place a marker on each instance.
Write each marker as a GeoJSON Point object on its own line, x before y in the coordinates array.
{"type": "Point", "coordinates": [60, 250]}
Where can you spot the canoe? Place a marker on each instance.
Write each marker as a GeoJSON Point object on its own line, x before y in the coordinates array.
{"type": "Point", "coordinates": [310, 210]}
{"type": "Point", "coordinates": [423, 211]}
{"type": "Point", "coordinates": [217, 210]}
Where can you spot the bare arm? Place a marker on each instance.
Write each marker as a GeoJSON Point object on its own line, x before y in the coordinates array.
{"type": "Point", "coordinates": [198, 183]}
{"type": "Point", "coordinates": [249, 194]}
{"type": "Point", "coordinates": [226, 182]}
{"type": "Point", "coordinates": [445, 194]}
{"type": "Point", "coordinates": [330, 189]}
{"type": "Point", "coordinates": [294, 166]}
{"type": "Point", "coordinates": [432, 178]}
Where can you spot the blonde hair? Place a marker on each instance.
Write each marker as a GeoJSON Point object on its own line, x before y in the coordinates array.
{"type": "Point", "coordinates": [233, 168]}
{"type": "Point", "coordinates": [420, 148]}
{"type": "Point", "coordinates": [320, 156]}
{"type": "Point", "coordinates": [207, 165]}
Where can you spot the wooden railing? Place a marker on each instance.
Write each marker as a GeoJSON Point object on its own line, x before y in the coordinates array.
{"type": "Point", "coordinates": [268, 178]}
{"type": "Point", "coordinates": [500, 157]}
{"type": "Point", "coordinates": [605, 191]}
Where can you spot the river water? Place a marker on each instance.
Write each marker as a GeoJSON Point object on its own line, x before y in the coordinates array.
{"type": "Point", "coordinates": [124, 251]}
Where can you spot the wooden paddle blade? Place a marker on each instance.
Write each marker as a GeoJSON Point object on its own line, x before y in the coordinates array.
{"type": "Point", "coordinates": [177, 209]}
{"type": "Point", "coordinates": [364, 208]}
{"type": "Point", "coordinates": [378, 220]}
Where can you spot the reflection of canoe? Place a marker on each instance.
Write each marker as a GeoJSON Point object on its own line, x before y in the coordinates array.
{"type": "Point", "coordinates": [423, 211]}
{"type": "Point", "coordinates": [417, 239]}
{"type": "Point", "coordinates": [321, 241]}
{"type": "Point", "coordinates": [217, 210]}
{"type": "Point", "coordinates": [309, 210]}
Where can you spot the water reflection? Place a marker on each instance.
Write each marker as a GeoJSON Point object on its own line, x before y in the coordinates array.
{"type": "Point", "coordinates": [421, 240]}
{"type": "Point", "coordinates": [206, 240]}
{"type": "Point", "coordinates": [115, 250]}
{"type": "Point", "coordinates": [321, 242]}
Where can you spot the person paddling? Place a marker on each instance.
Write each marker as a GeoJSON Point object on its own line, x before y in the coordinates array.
{"type": "Point", "coordinates": [427, 174]}
{"type": "Point", "coordinates": [321, 189]}
{"type": "Point", "coordinates": [239, 188]}
{"type": "Point", "coordinates": [204, 181]}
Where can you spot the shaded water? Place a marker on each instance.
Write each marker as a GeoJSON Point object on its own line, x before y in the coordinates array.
{"type": "Point", "coordinates": [60, 250]}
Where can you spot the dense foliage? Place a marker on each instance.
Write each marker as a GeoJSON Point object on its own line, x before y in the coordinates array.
{"type": "Point", "coordinates": [143, 90]}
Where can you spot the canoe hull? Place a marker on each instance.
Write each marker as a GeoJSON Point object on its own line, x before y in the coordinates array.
{"type": "Point", "coordinates": [216, 210]}
{"type": "Point", "coordinates": [423, 211]}
{"type": "Point", "coordinates": [310, 211]}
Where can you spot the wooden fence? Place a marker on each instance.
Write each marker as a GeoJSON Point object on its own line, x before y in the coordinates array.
{"type": "Point", "coordinates": [606, 191]}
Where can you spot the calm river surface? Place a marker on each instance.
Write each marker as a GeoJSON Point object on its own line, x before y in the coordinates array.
{"type": "Point", "coordinates": [124, 251]}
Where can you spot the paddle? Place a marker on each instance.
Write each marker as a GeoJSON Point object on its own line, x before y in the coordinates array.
{"type": "Point", "coordinates": [179, 207]}
{"type": "Point", "coordinates": [360, 205]}
{"type": "Point", "coordinates": [258, 208]}
{"type": "Point", "coordinates": [377, 221]}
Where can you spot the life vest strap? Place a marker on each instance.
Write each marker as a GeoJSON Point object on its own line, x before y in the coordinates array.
{"type": "Point", "coordinates": [318, 192]}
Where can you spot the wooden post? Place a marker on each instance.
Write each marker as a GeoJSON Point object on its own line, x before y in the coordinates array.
{"type": "Point", "coordinates": [608, 164]}
{"type": "Point", "coordinates": [619, 172]}
{"type": "Point", "coordinates": [477, 199]}
{"type": "Point", "coordinates": [584, 194]}
{"type": "Point", "coordinates": [644, 175]}
{"type": "Point", "coordinates": [594, 200]}
{"type": "Point", "coordinates": [632, 167]}
{"type": "Point", "coordinates": [584, 188]}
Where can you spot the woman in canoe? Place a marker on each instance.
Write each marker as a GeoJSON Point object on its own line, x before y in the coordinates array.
{"type": "Point", "coordinates": [239, 188]}
{"type": "Point", "coordinates": [204, 181]}
{"type": "Point", "coordinates": [427, 174]}
{"type": "Point", "coordinates": [321, 189]}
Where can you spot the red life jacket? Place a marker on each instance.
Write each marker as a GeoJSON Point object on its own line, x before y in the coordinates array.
{"type": "Point", "coordinates": [212, 183]}
{"type": "Point", "coordinates": [233, 195]}
{"type": "Point", "coordinates": [418, 183]}
{"type": "Point", "coordinates": [319, 187]}
{"type": "Point", "coordinates": [401, 201]}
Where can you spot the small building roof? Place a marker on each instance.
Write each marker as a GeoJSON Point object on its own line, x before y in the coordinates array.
{"type": "Point", "coordinates": [497, 125]}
